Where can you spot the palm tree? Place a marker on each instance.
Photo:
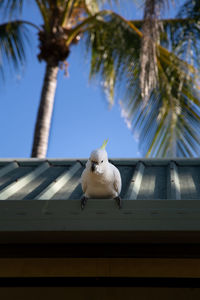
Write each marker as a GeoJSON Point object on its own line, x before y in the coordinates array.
{"type": "Point", "coordinates": [156, 68]}
{"type": "Point", "coordinates": [142, 58]}
{"type": "Point", "coordinates": [64, 21]}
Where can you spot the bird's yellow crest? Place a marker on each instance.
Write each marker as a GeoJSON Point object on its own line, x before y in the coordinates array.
{"type": "Point", "coordinates": [104, 144]}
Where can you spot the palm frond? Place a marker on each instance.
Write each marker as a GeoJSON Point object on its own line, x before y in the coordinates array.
{"type": "Point", "coordinates": [10, 7]}
{"type": "Point", "coordinates": [13, 37]}
{"type": "Point", "coordinates": [184, 35]}
{"type": "Point", "coordinates": [110, 41]}
{"type": "Point", "coordinates": [44, 9]}
{"type": "Point", "coordinates": [180, 35]}
{"type": "Point", "coordinates": [92, 6]}
{"type": "Point", "coordinates": [190, 9]}
{"type": "Point", "coordinates": [99, 4]}
{"type": "Point", "coordinates": [169, 124]}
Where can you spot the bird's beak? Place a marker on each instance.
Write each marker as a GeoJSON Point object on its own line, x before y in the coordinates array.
{"type": "Point", "coordinates": [93, 167]}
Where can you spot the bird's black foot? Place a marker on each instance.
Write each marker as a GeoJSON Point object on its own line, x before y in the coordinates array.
{"type": "Point", "coordinates": [118, 201]}
{"type": "Point", "coordinates": [83, 202]}
{"type": "Point", "coordinates": [81, 163]}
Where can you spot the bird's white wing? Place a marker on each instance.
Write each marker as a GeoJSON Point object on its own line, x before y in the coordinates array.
{"type": "Point", "coordinates": [84, 181]}
{"type": "Point", "coordinates": [117, 180]}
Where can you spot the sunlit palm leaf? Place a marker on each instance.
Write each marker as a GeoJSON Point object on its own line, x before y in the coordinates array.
{"type": "Point", "coordinates": [97, 5]}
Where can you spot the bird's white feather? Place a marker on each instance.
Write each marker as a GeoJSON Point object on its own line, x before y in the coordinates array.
{"type": "Point", "coordinates": [104, 181]}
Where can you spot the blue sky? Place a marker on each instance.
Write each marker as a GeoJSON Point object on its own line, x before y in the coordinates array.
{"type": "Point", "coordinates": [81, 117]}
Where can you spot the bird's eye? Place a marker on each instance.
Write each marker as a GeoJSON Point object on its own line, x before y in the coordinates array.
{"type": "Point", "coordinates": [102, 161]}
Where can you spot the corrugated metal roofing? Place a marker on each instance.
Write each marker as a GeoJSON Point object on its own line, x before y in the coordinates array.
{"type": "Point", "coordinates": [159, 202]}
{"type": "Point", "coordinates": [146, 179]}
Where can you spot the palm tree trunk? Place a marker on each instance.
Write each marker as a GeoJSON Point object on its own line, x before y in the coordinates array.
{"type": "Point", "coordinates": [43, 122]}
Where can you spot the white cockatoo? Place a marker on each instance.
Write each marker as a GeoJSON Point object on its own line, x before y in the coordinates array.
{"type": "Point", "coordinates": [100, 179]}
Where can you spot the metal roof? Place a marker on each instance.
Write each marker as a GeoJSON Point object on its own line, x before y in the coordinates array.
{"type": "Point", "coordinates": [158, 195]}
{"type": "Point", "coordinates": [149, 179]}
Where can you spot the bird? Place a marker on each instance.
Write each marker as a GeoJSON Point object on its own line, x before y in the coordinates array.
{"type": "Point", "coordinates": [100, 178]}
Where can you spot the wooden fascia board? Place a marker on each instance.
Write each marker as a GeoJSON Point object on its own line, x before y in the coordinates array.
{"type": "Point", "coordinates": [100, 267]}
